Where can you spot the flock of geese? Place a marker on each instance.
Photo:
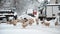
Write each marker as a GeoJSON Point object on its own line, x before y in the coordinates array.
{"type": "Point", "coordinates": [25, 22]}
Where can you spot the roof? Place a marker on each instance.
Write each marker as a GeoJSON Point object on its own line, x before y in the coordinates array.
{"type": "Point", "coordinates": [5, 10]}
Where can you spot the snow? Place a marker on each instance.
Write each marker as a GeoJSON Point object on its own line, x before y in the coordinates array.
{"type": "Point", "coordinates": [29, 11]}
{"type": "Point", "coordinates": [25, 16]}
{"type": "Point", "coordinates": [34, 29]}
{"type": "Point", "coordinates": [23, 31]}
{"type": "Point", "coordinates": [40, 1]}
{"type": "Point", "coordinates": [10, 18]}
{"type": "Point", "coordinates": [15, 13]}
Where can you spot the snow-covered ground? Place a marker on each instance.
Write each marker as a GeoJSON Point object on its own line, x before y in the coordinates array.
{"type": "Point", "coordinates": [34, 29]}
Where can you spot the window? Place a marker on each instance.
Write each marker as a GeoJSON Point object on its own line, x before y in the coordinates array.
{"type": "Point", "coordinates": [59, 7]}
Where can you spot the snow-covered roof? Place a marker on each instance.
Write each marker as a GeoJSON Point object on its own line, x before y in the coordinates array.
{"type": "Point", "coordinates": [5, 10]}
